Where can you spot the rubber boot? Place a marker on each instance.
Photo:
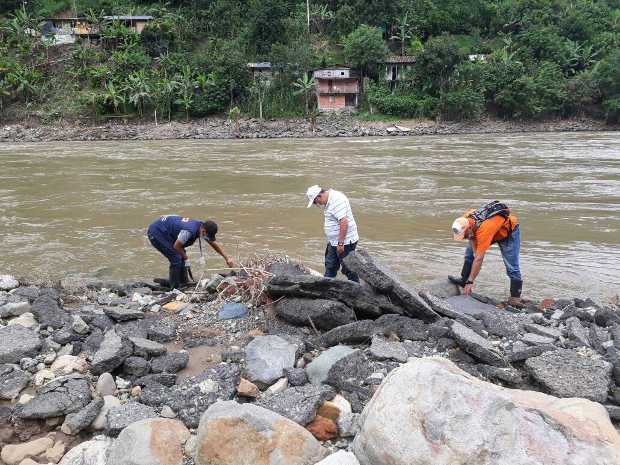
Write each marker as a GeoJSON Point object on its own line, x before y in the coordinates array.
{"type": "Point", "coordinates": [174, 280]}
{"type": "Point", "coordinates": [465, 271]}
{"type": "Point", "coordinates": [184, 276]}
{"type": "Point", "coordinates": [515, 288]}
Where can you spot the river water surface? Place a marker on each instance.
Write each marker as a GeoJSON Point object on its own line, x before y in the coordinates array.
{"type": "Point", "coordinates": [72, 207]}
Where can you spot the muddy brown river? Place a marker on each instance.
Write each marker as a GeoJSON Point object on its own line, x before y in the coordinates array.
{"type": "Point", "coordinates": [73, 207]}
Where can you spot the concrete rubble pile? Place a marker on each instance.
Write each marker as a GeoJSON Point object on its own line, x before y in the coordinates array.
{"type": "Point", "coordinates": [328, 372]}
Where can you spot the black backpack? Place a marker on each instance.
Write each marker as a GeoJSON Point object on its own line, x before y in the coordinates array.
{"type": "Point", "coordinates": [490, 210]}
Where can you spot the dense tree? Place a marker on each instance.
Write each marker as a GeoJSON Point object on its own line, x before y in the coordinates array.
{"type": "Point", "coordinates": [364, 48]}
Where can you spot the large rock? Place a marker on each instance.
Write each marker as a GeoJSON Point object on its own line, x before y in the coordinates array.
{"type": "Point", "coordinates": [364, 302]}
{"type": "Point", "coordinates": [383, 349]}
{"type": "Point", "coordinates": [124, 415]}
{"type": "Point", "coordinates": [361, 263]}
{"type": "Point", "coordinates": [14, 309]}
{"type": "Point", "coordinates": [112, 352]}
{"type": "Point", "coordinates": [12, 381]}
{"type": "Point", "coordinates": [442, 288]}
{"type": "Point", "coordinates": [477, 346]}
{"type": "Point", "coordinates": [266, 358]}
{"type": "Point", "coordinates": [13, 454]}
{"type": "Point", "coordinates": [17, 343]}
{"type": "Point", "coordinates": [48, 313]}
{"type": "Point", "coordinates": [340, 458]}
{"type": "Point", "coordinates": [318, 369]}
{"type": "Point", "coordinates": [145, 348]}
{"type": "Point", "coordinates": [245, 434]}
{"type": "Point", "coordinates": [155, 441]}
{"type": "Point", "coordinates": [352, 333]}
{"type": "Point", "coordinates": [171, 362]}
{"type": "Point", "coordinates": [194, 395]}
{"type": "Point", "coordinates": [82, 419]}
{"type": "Point", "coordinates": [463, 420]}
{"type": "Point", "coordinates": [467, 305]}
{"type": "Point", "coordinates": [299, 403]}
{"type": "Point", "coordinates": [59, 397]}
{"type": "Point", "coordinates": [569, 373]}
{"type": "Point", "coordinates": [93, 452]}
{"type": "Point", "coordinates": [323, 314]}
{"type": "Point", "coordinates": [8, 282]}
{"type": "Point", "coordinates": [504, 324]}
{"type": "Point", "coordinates": [123, 314]}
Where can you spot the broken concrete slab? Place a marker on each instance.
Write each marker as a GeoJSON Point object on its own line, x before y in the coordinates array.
{"type": "Point", "coordinates": [466, 305]}
{"type": "Point", "coordinates": [477, 346]}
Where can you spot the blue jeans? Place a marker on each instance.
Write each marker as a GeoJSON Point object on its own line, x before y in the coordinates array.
{"type": "Point", "coordinates": [510, 254]}
{"type": "Point", "coordinates": [165, 248]}
{"type": "Point", "coordinates": [333, 262]}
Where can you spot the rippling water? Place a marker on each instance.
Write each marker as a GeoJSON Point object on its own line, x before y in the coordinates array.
{"type": "Point", "coordinates": [83, 207]}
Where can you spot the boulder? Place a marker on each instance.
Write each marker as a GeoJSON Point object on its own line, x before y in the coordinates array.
{"type": "Point", "coordinates": [504, 324]}
{"type": "Point", "coordinates": [194, 395]}
{"type": "Point", "coordinates": [382, 349]}
{"type": "Point", "coordinates": [352, 333]}
{"type": "Point", "coordinates": [14, 309]}
{"type": "Point", "coordinates": [124, 415]}
{"type": "Point", "coordinates": [323, 429]}
{"type": "Point", "coordinates": [379, 279]}
{"type": "Point", "coordinates": [245, 434]}
{"type": "Point", "coordinates": [100, 422]}
{"type": "Point", "coordinates": [93, 452]}
{"type": "Point", "coordinates": [67, 364]}
{"type": "Point", "coordinates": [364, 302]}
{"type": "Point", "coordinates": [607, 317]}
{"type": "Point", "coordinates": [340, 458]}
{"type": "Point", "coordinates": [8, 282]}
{"type": "Point", "coordinates": [296, 376]}
{"type": "Point", "coordinates": [17, 343]}
{"type": "Point", "coordinates": [477, 346]}
{"type": "Point", "coordinates": [13, 454]}
{"type": "Point", "coordinates": [299, 403]}
{"type": "Point", "coordinates": [27, 292]}
{"type": "Point", "coordinates": [135, 366]}
{"type": "Point", "coordinates": [26, 320]}
{"type": "Point", "coordinates": [576, 332]}
{"type": "Point", "coordinates": [145, 348]}
{"type": "Point", "coordinates": [247, 389]}
{"type": "Point", "coordinates": [441, 288]}
{"type": "Point", "coordinates": [123, 313]}
{"type": "Point", "coordinates": [106, 385]}
{"type": "Point", "coordinates": [162, 331]}
{"type": "Point", "coordinates": [496, 426]}
{"type": "Point", "coordinates": [403, 326]}
{"type": "Point", "coordinates": [467, 305]}
{"type": "Point", "coordinates": [569, 373]}
{"type": "Point", "coordinates": [323, 314]}
{"type": "Point", "coordinates": [155, 441]}
{"type": "Point", "coordinates": [267, 357]}
{"type": "Point", "coordinates": [12, 381]}
{"type": "Point", "coordinates": [171, 362]}
{"type": "Point", "coordinates": [318, 369]}
{"type": "Point", "coordinates": [60, 397]}
{"type": "Point", "coordinates": [82, 419]}
{"type": "Point", "coordinates": [112, 352]}
{"type": "Point", "coordinates": [48, 313]}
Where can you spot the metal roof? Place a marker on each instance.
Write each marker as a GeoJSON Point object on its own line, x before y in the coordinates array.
{"type": "Point", "coordinates": [129, 18]}
{"type": "Point", "coordinates": [399, 59]}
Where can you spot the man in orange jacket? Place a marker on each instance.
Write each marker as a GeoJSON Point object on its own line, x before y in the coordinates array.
{"type": "Point", "coordinates": [482, 232]}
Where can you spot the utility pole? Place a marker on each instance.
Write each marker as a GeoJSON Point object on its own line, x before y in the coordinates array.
{"type": "Point", "coordinates": [308, 14]}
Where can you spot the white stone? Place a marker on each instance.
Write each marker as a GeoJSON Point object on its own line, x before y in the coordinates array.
{"type": "Point", "coordinates": [167, 412]}
{"type": "Point", "coordinates": [8, 282]}
{"type": "Point", "coordinates": [91, 452]}
{"type": "Point", "coordinates": [100, 422]}
{"type": "Point", "coordinates": [340, 458]}
{"type": "Point", "coordinates": [277, 387]}
{"type": "Point", "coordinates": [27, 320]}
{"type": "Point", "coordinates": [429, 411]}
{"type": "Point", "coordinates": [67, 364]}
{"type": "Point", "coordinates": [106, 385]}
{"type": "Point", "coordinates": [79, 325]}
{"type": "Point", "coordinates": [343, 404]}
{"type": "Point", "coordinates": [43, 376]}
{"type": "Point", "coordinates": [122, 383]}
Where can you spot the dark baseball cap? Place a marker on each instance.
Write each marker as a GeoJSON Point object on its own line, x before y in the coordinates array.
{"type": "Point", "coordinates": [211, 228]}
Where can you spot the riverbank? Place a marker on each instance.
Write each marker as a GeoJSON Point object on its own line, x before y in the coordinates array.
{"type": "Point", "coordinates": [326, 126]}
{"type": "Point", "coordinates": [119, 373]}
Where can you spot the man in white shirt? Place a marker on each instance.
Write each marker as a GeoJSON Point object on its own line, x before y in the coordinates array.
{"type": "Point", "coordinates": [340, 228]}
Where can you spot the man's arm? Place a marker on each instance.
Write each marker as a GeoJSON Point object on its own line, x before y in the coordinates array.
{"type": "Point", "coordinates": [475, 269]}
{"type": "Point", "coordinates": [215, 246]}
{"type": "Point", "coordinates": [342, 233]}
{"type": "Point", "coordinates": [178, 246]}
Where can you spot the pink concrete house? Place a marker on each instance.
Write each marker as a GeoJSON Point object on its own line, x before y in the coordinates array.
{"type": "Point", "coordinates": [337, 88]}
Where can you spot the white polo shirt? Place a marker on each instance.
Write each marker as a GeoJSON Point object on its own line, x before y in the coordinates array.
{"type": "Point", "coordinates": [338, 207]}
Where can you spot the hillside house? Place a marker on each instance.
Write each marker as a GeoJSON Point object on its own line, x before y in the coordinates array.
{"type": "Point", "coordinates": [137, 23]}
{"type": "Point", "coordinates": [262, 69]}
{"type": "Point", "coordinates": [397, 67]}
{"type": "Point", "coordinates": [338, 88]}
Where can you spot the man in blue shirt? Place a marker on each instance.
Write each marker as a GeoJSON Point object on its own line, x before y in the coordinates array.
{"type": "Point", "coordinates": [171, 234]}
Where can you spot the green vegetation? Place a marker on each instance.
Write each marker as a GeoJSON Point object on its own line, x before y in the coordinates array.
{"type": "Point", "coordinates": [524, 59]}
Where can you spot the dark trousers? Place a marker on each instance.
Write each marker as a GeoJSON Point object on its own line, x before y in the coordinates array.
{"type": "Point", "coordinates": [165, 248]}
{"type": "Point", "coordinates": [333, 262]}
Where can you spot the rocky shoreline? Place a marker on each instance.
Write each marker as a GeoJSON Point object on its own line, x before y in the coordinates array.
{"type": "Point", "coordinates": [276, 365]}
{"type": "Point", "coordinates": [326, 126]}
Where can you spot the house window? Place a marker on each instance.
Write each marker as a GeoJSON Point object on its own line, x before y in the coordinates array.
{"type": "Point", "coordinates": [342, 73]}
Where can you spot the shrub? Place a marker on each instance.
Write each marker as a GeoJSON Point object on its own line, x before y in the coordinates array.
{"type": "Point", "coordinates": [461, 104]}
{"type": "Point", "coordinates": [612, 110]}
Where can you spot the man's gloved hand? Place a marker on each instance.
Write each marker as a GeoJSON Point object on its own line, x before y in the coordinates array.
{"type": "Point", "coordinates": [187, 264]}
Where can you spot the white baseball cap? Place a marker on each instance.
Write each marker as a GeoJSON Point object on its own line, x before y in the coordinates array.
{"type": "Point", "coordinates": [311, 193]}
{"type": "Point", "coordinates": [459, 227]}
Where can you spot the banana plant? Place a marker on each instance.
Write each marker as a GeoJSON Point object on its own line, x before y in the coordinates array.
{"type": "Point", "coordinates": [305, 86]}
